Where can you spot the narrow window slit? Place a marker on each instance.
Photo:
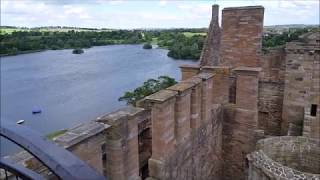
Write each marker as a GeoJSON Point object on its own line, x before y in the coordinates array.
{"type": "Point", "coordinates": [313, 111]}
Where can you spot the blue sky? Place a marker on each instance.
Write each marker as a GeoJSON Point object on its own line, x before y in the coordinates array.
{"type": "Point", "coordinates": [145, 14]}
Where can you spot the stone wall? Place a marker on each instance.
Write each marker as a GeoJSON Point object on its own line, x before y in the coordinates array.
{"type": "Point", "coordinates": [240, 124]}
{"type": "Point", "coordinates": [301, 85]}
{"type": "Point", "coordinates": [270, 107]}
{"type": "Point", "coordinates": [311, 123]}
{"type": "Point", "coordinates": [122, 143]}
{"type": "Point", "coordinates": [241, 38]}
{"type": "Point", "coordinates": [285, 158]}
{"type": "Point", "coordinates": [210, 51]}
{"type": "Point", "coordinates": [86, 141]}
{"type": "Point", "coordinates": [186, 131]}
{"type": "Point", "coordinates": [271, 90]}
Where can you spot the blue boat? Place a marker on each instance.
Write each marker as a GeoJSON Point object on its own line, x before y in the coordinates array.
{"type": "Point", "coordinates": [36, 111]}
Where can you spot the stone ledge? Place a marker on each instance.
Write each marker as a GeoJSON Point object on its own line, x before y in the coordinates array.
{"type": "Point", "coordinates": [193, 80]}
{"type": "Point", "coordinates": [191, 66]}
{"type": "Point", "coordinates": [181, 87]}
{"type": "Point", "coordinates": [242, 8]}
{"type": "Point", "coordinates": [225, 70]}
{"type": "Point", "coordinates": [188, 67]}
{"type": "Point", "coordinates": [161, 96]}
{"type": "Point", "coordinates": [204, 76]}
{"type": "Point", "coordinates": [247, 70]}
{"type": "Point", "coordinates": [79, 133]}
{"type": "Point", "coordinates": [119, 114]}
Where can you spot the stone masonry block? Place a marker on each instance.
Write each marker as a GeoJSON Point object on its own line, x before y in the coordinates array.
{"type": "Point", "coordinates": [188, 71]}
{"type": "Point", "coordinates": [182, 111]}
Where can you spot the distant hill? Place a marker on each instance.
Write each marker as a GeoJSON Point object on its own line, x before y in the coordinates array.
{"type": "Point", "coordinates": [288, 26]}
{"type": "Point", "coordinates": [67, 28]}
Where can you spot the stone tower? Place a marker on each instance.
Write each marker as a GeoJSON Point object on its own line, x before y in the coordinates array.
{"type": "Point", "coordinates": [210, 51]}
{"type": "Point", "coordinates": [241, 38]}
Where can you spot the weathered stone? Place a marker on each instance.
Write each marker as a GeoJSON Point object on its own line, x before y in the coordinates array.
{"type": "Point", "coordinates": [187, 71]}
{"type": "Point", "coordinates": [210, 51]}
{"type": "Point", "coordinates": [285, 158]}
{"type": "Point", "coordinates": [241, 39]}
{"type": "Point", "coordinates": [302, 82]}
{"type": "Point", "coordinates": [220, 89]}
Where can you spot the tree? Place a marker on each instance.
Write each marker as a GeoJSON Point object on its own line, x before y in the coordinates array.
{"type": "Point", "coordinates": [149, 87]}
{"type": "Point", "coordinates": [147, 46]}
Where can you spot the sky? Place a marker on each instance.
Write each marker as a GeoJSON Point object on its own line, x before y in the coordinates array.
{"type": "Point", "coordinates": [130, 14]}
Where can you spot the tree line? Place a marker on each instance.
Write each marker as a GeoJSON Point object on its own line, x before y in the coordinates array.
{"type": "Point", "coordinates": [273, 40]}
{"type": "Point", "coordinates": [20, 41]}
{"type": "Point", "coordinates": [181, 43]}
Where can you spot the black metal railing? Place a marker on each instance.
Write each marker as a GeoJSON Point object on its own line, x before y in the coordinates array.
{"type": "Point", "coordinates": [14, 171]}
{"type": "Point", "coordinates": [58, 160]}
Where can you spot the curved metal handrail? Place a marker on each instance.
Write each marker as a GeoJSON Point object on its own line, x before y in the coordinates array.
{"type": "Point", "coordinates": [19, 171]}
{"type": "Point", "coordinates": [61, 162]}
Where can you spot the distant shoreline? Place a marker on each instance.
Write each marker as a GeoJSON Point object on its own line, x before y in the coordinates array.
{"type": "Point", "coordinates": [23, 52]}
{"type": "Point", "coordinates": [41, 50]}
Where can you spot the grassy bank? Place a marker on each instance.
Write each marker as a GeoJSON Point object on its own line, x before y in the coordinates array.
{"type": "Point", "coordinates": [52, 135]}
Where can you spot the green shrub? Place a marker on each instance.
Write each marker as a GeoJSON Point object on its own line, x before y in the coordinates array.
{"type": "Point", "coordinates": [147, 46]}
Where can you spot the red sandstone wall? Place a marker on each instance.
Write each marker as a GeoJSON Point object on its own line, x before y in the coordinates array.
{"type": "Point", "coordinates": [240, 124]}
{"type": "Point", "coordinates": [186, 131]}
{"type": "Point", "coordinates": [241, 39]}
{"type": "Point", "coordinates": [301, 85]}
{"type": "Point", "coordinates": [271, 90]}
{"type": "Point", "coordinates": [210, 52]}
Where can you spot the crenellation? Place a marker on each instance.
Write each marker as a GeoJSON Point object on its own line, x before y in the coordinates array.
{"type": "Point", "coordinates": [195, 118]}
{"type": "Point", "coordinates": [188, 71]}
{"type": "Point", "coordinates": [247, 87]}
{"type": "Point", "coordinates": [220, 89]}
{"type": "Point", "coordinates": [206, 93]}
{"type": "Point", "coordinates": [182, 111]}
{"type": "Point", "coordinates": [121, 149]}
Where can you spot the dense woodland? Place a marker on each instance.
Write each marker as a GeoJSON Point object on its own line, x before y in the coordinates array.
{"type": "Point", "coordinates": [181, 43]}
{"type": "Point", "coordinates": [20, 41]}
{"type": "Point", "coordinates": [272, 40]}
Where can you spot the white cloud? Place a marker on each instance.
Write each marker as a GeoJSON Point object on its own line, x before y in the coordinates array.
{"type": "Point", "coordinates": [113, 2]}
{"type": "Point", "coordinates": [163, 2]}
{"type": "Point", "coordinates": [137, 14]}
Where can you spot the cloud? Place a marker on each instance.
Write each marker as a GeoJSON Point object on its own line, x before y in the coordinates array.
{"type": "Point", "coordinates": [140, 14]}
{"type": "Point", "coordinates": [163, 2]}
{"type": "Point", "coordinates": [113, 2]}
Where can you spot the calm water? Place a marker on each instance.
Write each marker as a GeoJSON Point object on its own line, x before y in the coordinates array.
{"type": "Point", "coordinates": [70, 89]}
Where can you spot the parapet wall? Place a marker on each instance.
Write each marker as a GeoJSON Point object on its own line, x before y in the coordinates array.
{"type": "Point", "coordinates": [186, 130]}
{"type": "Point", "coordinates": [285, 158]}
{"type": "Point", "coordinates": [240, 124]}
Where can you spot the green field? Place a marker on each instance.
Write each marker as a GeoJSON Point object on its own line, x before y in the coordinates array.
{"type": "Point", "coordinates": [190, 34]}
{"type": "Point", "coordinates": [187, 34]}
{"type": "Point", "coordinates": [10, 30]}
